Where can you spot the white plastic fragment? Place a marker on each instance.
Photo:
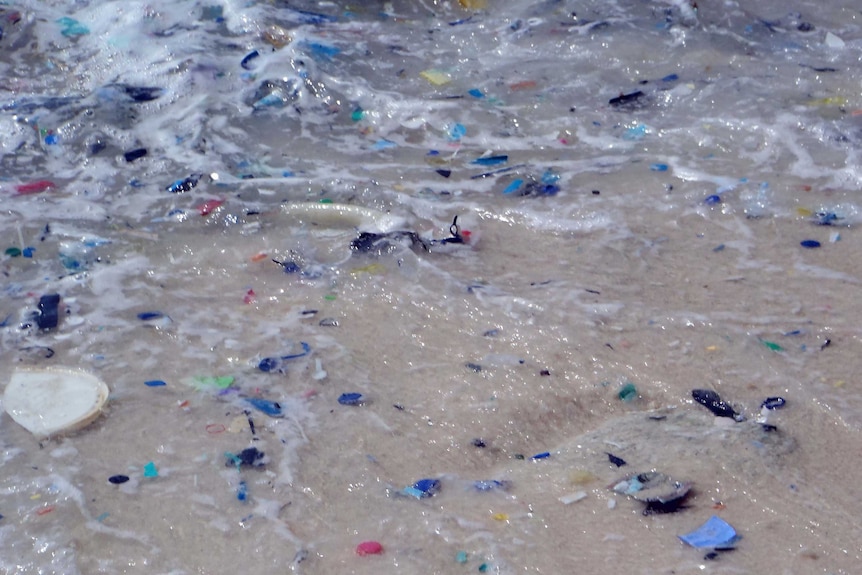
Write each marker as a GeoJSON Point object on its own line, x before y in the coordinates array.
{"type": "Point", "coordinates": [834, 237]}
{"type": "Point", "coordinates": [319, 372]}
{"type": "Point", "coordinates": [573, 497]}
{"type": "Point", "coordinates": [833, 41]}
{"type": "Point", "coordinates": [48, 402]}
{"type": "Point", "coordinates": [612, 503]}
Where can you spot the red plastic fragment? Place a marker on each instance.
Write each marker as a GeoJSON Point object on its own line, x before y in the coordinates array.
{"type": "Point", "coordinates": [207, 207]}
{"type": "Point", "coordinates": [34, 187]}
{"type": "Point", "coordinates": [249, 296]}
{"type": "Point", "coordinates": [369, 548]}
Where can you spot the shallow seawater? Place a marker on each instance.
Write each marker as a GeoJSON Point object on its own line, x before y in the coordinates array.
{"type": "Point", "coordinates": [572, 198]}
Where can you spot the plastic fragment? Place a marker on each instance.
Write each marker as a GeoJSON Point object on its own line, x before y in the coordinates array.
{"type": "Point", "coordinates": [658, 167]}
{"type": "Point", "coordinates": [771, 345]}
{"type": "Point", "coordinates": [72, 27]}
{"type": "Point", "coordinates": [490, 160]}
{"type": "Point", "coordinates": [352, 399]}
{"type": "Point", "coordinates": [661, 493]}
{"type": "Point", "coordinates": [810, 244]}
{"type": "Point", "coordinates": [624, 99]}
{"type": "Point", "coordinates": [491, 485]}
{"type": "Point", "coordinates": [712, 200]}
{"type": "Point", "coordinates": [713, 402]}
{"type": "Point", "coordinates": [543, 455]}
{"type": "Point", "coordinates": [36, 187]}
{"type": "Point", "coordinates": [573, 497]}
{"type": "Point", "coordinates": [436, 77]}
{"type": "Point", "coordinates": [220, 381]}
{"type": "Point", "coordinates": [444, 173]}
{"type": "Point", "coordinates": [184, 185]}
{"type": "Point", "coordinates": [715, 533]}
{"type": "Point", "coordinates": [135, 154]}
{"type": "Point", "coordinates": [209, 206]}
{"type": "Point", "coordinates": [150, 470]}
{"type": "Point", "coordinates": [369, 548]}
{"type": "Point", "coordinates": [773, 403]}
{"type": "Point", "coordinates": [245, 63]}
{"type": "Point", "coordinates": [148, 315]}
{"type": "Point", "coordinates": [118, 479]}
{"type": "Point", "coordinates": [249, 457]}
{"type": "Point", "coordinates": [155, 383]}
{"type": "Point", "coordinates": [423, 488]}
{"type": "Point", "coordinates": [271, 363]}
{"type": "Point", "coordinates": [628, 392]}
{"type": "Point", "coordinates": [618, 461]}
{"type": "Point", "coordinates": [833, 41]}
{"type": "Point", "coordinates": [476, 93]}
{"type": "Point", "coordinates": [49, 315]}
{"type": "Point", "coordinates": [13, 252]}
{"type": "Point", "coordinates": [461, 557]}
{"type": "Point", "coordinates": [271, 408]}
{"type": "Point", "coordinates": [242, 491]}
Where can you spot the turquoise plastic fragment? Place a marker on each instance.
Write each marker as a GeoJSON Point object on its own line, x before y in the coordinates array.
{"type": "Point", "coordinates": [72, 27]}
{"type": "Point", "coordinates": [150, 470]}
{"type": "Point", "coordinates": [513, 187]}
{"type": "Point", "coordinates": [461, 557]}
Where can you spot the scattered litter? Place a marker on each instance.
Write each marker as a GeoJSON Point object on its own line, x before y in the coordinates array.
{"type": "Point", "coordinates": [150, 470]}
{"type": "Point", "coordinates": [661, 493]}
{"type": "Point", "coordinates": [118, 479]}
{"type": "Point", "coordinates": [833, 41]}
{"type": "Point", "coordinates": [36, 187]}
{"type": "Point", "coordinates": [771, 345]}
{"type": "Point", "coordinates": [271, 408]}
{"type": "Point", "coordinates": [272, 363]}
{"type": "Point", "coordinates": [618, 461]}
{"type": "Point", "coordinates": [659, 167]}
{"type": "Point", "coordinates": [716, 533]}
{"type": "Point", "coordinates": [48, 402]}
{"type": "Point", "coordinates": [423, 488]}
{"type": "Point", "coordinates": [369, 548]}
{"type": "Point", "coordinates": [242, 491]}
{"type": "Point", "coordinates": [712, 401]}
{"type": "Point", "coordinates": [184, 185]}
{"type": "Point", "coordinates": [479, 442]}
{"type": "Point", "coordinates": [48, 317]}
{"type": "Point", "coordinates": [209, 207]}
{"type": "Point", "coordinates": [573, 497]}
{"type": "Point", "coordinates": [351, 399]}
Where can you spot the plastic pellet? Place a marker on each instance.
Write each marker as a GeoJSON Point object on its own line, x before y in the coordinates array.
{"type": "Point", "coordinates": [369, 548]}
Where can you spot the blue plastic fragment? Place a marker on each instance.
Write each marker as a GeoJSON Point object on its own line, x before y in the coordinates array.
{"type": "Point", "coordinates": [715, 533]}
{"type": "Point", "coordinates": [773, 403]}
{"type": "Point", "coordinates": [271, 363]}
{"type": "Point", "coordinates": [543, 455]}
{"type": "Point", "coordinates": [245, 63]}
{"type": "Point", "coordinates": [52, 139]}
{"type": "Point", "coordinates": [155, 383]}
{"type": "Point", "coordinates": [712, 200]}
{"type": "Point", "coordinates": [718, 248]}
{"type": "Point", "coordinates": [428, 487]}
{"type": "Point", "coordinates": [271, 408]}
{"type": "Point", "coordinates": [184, 185]}
{"type": "Point", "coordinates": [658, 167]}
{"type": "Point", "coordinates": [148, 315]}
{"type": "Point", "coordinates": [490, 160]}
{"type": "Point", "coordinates": [413, 492]}
{"type": "Point", "coordinates": [670, 78]}
{"type": "Point", "coordinates": [513, 187]}
{"type": "Point", "coordinates": [49, 314]}
{"type": "Point", "coordinates": [306, 349]}
{"type": "Point", "coordinates": [351, 399]}
{"type": "Point", "coordinates": [290, 267]}
{"type": "Point", "coordinates": [28, 252]}
{"type": "Point", "coordinates": [384, 144]}
{"type": "Point", "coordinates": [307, 17]}
{"type": "Point", "coordinates": [242, 491]}
{"type": "Point", "coordinates": [476, 93]}
{"type": "Point", "coordinates": [810, 244]}
{"type": "Point", "coordinates": [636, 133]}
{"type": "Point", "coordinates": [323, 51]}
{"type": "Point", "coordinates": [490, 485]}
{"type": "Point", "coordinates": [268, 364]}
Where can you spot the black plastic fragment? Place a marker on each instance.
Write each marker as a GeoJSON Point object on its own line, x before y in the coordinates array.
{"type": "Point", "coordinates": [118, 479]}
{"type": "Point", "coordinates": [141, 93]}
{"type": "Point", "coordinates": [479, 442]}
{"type": "Point", "coordinates": [380, 244]}
{"type": "Point", "coordinates": [712, 401]}
{"type": "Point", "coordinates": [250, 456]}
{"type": "Point", "coordinates": [444, 173]}
{"type": "Point", "coordinates": [49, 315]}
{"type": "Point", "coordinates": [618, 461]}
{"type": "Point", "coordinates": [626, 99]}
{"type": "Point", "coordinates": [473, 366]}
{"type": "Point", "coordinates": [773, 403]}
{"type": "Point", "coordinates": [135, 154]}
{"type": "Point", "coordinates": [184, 185]}
{"type": "Point", "coordinates": [37, 351]}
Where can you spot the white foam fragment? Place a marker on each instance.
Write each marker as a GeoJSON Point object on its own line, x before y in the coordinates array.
{"type": "Point", "coordinates": [833, 41]}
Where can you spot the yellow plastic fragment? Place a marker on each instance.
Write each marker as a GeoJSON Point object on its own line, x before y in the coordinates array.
{"type": "Point", "coordinates": [828, 101]}
{"type": "Point", "coordinates": [839, 383]}
{"type": "Point", "coordinates": [373, 269]}
{"type": "Point", "coordinates": [804, 212]}
{"type": "Point", "coordinates": [436, 77]}
{"type": "Point", "coordinates": [501, 516]}
{"type": "Point", "coordinates": [581, 477]}
{"type": "Point", "coordinates": [474, 4]}
{"type": "Point", "coordinates": [712, 348]}
{"type": "Point", "coordinates": [276, 36]}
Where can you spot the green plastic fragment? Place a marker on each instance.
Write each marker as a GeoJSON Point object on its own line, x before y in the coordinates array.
{"type": "Point", "coordinates": [219, 381]}
{"type": "Point", "coordinates": [150, 470]}
{"type": "Point", "coordinates": [357, 114]}
{"type": "Point", "coordinates": [325, 201]}
{"type": "Point", "coordinates": [771, 345]}
{"type": "Point", "coordinates": [13, 252]}
{"type": "Point", "coordinates": [461, 557]}
{"type": "Point", "coordinates": [483, 567]}
{"type": "Point", "coordinates": [628, 392]}
{"type": "Point", "coordinates": [329, 297]}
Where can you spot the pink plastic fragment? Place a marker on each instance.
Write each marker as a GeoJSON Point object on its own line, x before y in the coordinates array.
{"type": "Point", "coordinates": [369, 548]}
{"type": "Point", "coordinates": [34, 187]}
{"type": "Point", "coordinates": [207, 207]}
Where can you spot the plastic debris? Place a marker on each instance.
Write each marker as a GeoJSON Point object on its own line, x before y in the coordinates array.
{"type": "Point", "coordinates": [248, 457]}
{"type": "Point", "coordinates": [712, 200]}
{"type": "Point", "coordinates": [209, 206]}
{"type": "Point", "coordinates": [461, 557]}
{"type": "Point", "coordinates": [48, 317]}
{"type": "Point", "coordinates": [773, 403]}
{"type": "Point", "coordinates": [150, 470]}
{"type": "Point", "coordinates": [48, 402]}
{"type": "Point", "coordinates": [72, 27]}
{"type": "Point", "coordinates": [245, 63]}
{"type": "Point", "coordinates": [618, 461]}
{"type": "Point", "coordinates": [135, 154]}
{"type": "Point", "coordinates": [155, 383]}
{"type": "Point", "coordinates": [369, 548]}
{"type": "Point", "coordinates": [184, 185]}
{"type": "Point", "coordinates": [810, 244]}
{"type": "Point", "coordinates": [272, 363]}
{"type": "Point", "coordinates": [118, 479]}
{"type": "Point", "coordinates": [713, 402]}
{"type": "Point", "coordinates": [490, 160]}
{"type": "Point", "coordinates": [661, 493]}
{"type": "Point", "coordinates": [242, 491]}
{"type": "Point", "coordinates": [659, 167]}
{"type": "Point", "coordinates": [573, 497]}
{"type": "Point", "coordinates": [771, 345]}
{"type": "Point", "coordinates": [543, 455]}
{"type": "Point", "coordinates": [436, 77]}
{"type": "Point", "coordinates": [627, 99]}
{"type": "Point", "coordinates": [352, 399]}
{"type": "Point", "coordinates": [423, 488]}
{"type": "Point", "coordinates": [271, 408]}
{"type": "Point", "coordinates": [491, 485]}
{"type": "Point", "coordinates": [716, 533]}
{"type": "Point", "coordinates": [628, 392]}
{"type": "Point", "coordinates": [36, 187]}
